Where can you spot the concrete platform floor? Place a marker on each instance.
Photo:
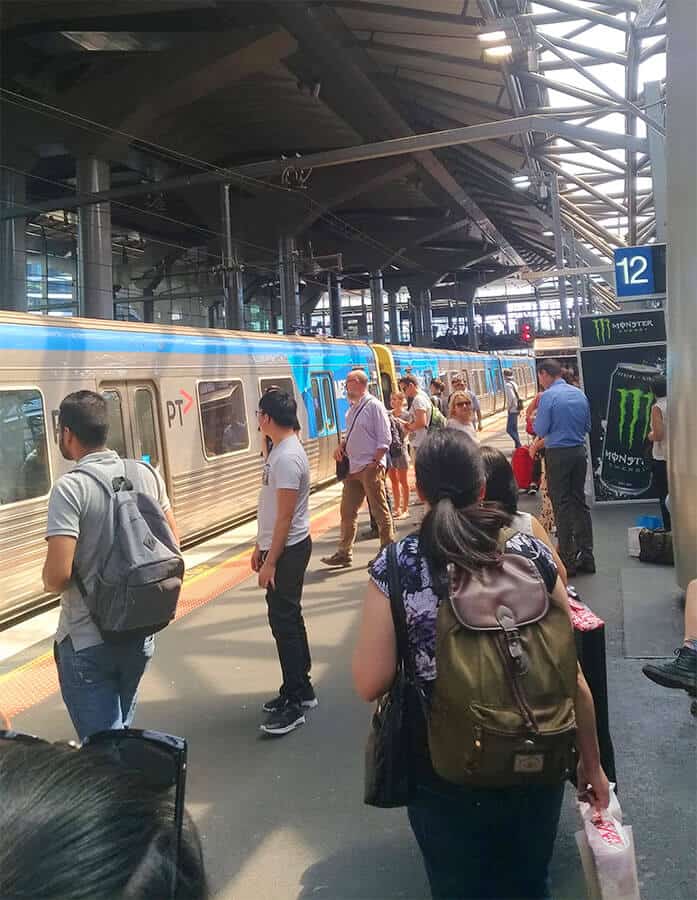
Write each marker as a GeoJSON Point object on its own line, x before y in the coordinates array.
{"type": "Point", "coordinates": [284, 818]}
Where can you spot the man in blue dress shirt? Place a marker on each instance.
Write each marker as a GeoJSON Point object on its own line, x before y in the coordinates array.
{"type": "Point", "coordinates": [563, 419]}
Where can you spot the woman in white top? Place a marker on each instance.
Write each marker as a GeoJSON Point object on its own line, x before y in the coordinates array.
{"type": "Point", "coordinates": [501, 487]}
{"type": "Point", "coordinates": [659, 437]}
{"type": "Point", "coordinates": [461, 413]}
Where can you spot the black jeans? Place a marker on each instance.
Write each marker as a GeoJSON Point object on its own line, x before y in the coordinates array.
{"type": "Point", "coordinates": [566, 479]}
{"type": "Point", "coordinates": [286, 620]}
{"type": "Point", "coordinates": [660, 479]}
{"type": "Point", "coordinates": [480, 843]}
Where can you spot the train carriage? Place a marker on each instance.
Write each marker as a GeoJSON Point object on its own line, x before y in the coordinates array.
{"type": "Point", "coordinates": [185, 400]}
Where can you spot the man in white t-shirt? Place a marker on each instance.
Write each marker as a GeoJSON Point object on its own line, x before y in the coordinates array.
{"type": "Point", "coordinates": [281, 557]}
{"type": "Point", "coordinates": [512, 406]}
{"type": "Point", "coordinates": [420, 411]}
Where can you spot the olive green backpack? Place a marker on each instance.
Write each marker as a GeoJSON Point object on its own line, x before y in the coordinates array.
{"type": "Point", "coordinates": [502, 710]}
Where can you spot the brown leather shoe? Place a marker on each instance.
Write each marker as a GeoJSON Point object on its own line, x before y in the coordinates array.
{"type": "Point", "coordinates": [338, 560]}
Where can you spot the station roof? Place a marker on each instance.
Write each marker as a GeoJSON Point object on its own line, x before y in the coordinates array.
{"type": "Point", "coordinates": [172, 88]}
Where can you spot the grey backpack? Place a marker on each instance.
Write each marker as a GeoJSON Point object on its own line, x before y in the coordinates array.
{"type": "Point", "coordinates": [141, 570]}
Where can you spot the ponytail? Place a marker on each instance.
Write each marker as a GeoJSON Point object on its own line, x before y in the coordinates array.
{"type": "Point", "coordinates": [466, 537]}
{"type": "Point", "coordinates": [457, 529]}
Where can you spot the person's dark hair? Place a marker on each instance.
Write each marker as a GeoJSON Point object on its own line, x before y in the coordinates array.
{"type": "Point", "coordinates": [85, 414]}
{"type": "Point", "coordinates": [73, 826]}
{"type": "Point", "coordinates": [280, 407]}
{"type": "Point", "coordinates": [438, 385]}
{"type": "Point", "coordinates": [660, 386]}
{"type": "Point", "coordinates": [410, 379]}
{"type": "Point", "coordinates": [501, 486]}
{"type": "Point", "coordinates": [551, 367]}
{"type": "Point", "coordinates": [456, 529]}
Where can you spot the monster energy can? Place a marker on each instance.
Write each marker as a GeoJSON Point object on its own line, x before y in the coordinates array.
{"type": "Point", "coordinates": [625, 468]}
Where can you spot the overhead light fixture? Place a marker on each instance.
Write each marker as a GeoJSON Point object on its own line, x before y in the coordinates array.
{"type": "Point", "coordinates": [547, 234]}
{"type": "Point", "coordinates": [522, 185]}
{"type": "Point", "coordinates": [500, 52]}
{"type": "Point", "coordinates": [489, 37]}
{"type": "Point", "coordinates": [518, 178]}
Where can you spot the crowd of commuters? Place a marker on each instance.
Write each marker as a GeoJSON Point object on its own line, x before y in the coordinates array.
{"type": "Point", "coordinates": [79, 806]}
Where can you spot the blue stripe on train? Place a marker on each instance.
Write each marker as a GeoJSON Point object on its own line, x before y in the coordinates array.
{"type": "Point", "coordinates": [75, 340]}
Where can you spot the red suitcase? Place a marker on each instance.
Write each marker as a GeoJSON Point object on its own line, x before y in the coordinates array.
{"type": "Point", "coordinates": [522, 467]}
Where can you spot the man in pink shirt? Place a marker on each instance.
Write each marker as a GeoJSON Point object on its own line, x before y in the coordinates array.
{"type": "Point", "coordinates": [368, 437]}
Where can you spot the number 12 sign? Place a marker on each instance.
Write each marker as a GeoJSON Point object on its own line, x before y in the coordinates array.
{"type": "Point", "coordinates": [640, 271]}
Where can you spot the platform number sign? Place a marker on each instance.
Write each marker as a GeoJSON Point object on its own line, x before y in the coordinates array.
{"type": "Point", "coordinates": [640, 271]}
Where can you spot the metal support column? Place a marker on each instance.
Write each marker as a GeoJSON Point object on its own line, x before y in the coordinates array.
{"type": "Point", "coordinates": [378, 307]}
{"type": "Point", "coordinates": [465, 292]}
{"type": "Point", "coordinates": [13, 260]}
{"type": "Point", "coordinates": [538, 323]}
{"type": "Point", "coordinates": [233, 281]}
{"type": "Point", "coordinates": [559, 247]}
{"type": "Point", "coordinates": [657, 152]}
{"type": "Point", "coordinates": [417, 337]}
{"type": "Point", "coordinates": [290, 287]}
{"type": "Point", "coordinates": [681, 168]}
{"type": "Point", "coordinates": [472, 336]}
{"type": "Point", "coordinates": [574, 263]}
{"type": "Point", "coordinates": [393, 313]}
{"type": "Point", "coordinates": [148, 305]}
{"type": "Point", "coordinates": [426, 319]}
{"type": "Point", "coordinates": [337, 322]}
{"type": "Point", "coordinates": [96, 280]}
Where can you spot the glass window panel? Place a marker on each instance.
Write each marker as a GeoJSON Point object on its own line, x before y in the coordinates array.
{"type": "Point", "coordinates": [116, 439]}
{"type": "Point", "coordinates": [283, 384]}
{"type": "Point", "coordinates": [328, 396]}
{"type": "Point", "coordinates": [223, 417]}
{"type": "Point", "coordinates": [317, 404]}
{"type": "Point", "coordinates": [145, 423]}
{"type": "Point", "coordinates": [24, 467]}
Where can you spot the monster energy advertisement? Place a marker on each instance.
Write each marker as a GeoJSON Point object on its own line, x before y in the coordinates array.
{"type": "Point", "coordinates": [616, 329]}
{"type": "Point", "coordinates": [619, 385]}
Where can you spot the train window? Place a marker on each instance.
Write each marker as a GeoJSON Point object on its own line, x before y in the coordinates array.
{"type": "Point", "coordinates": [317, 404]}
{"type": "Point", "coordinates": [24, 467]}
{"type": "Point", "coordinates": [386, 383]}
{"type": "Point", "coordinates": [116, 439]}
{"type": "Point", "coordinates": [284, 384]}
{"type": "Point", "coordinates": [223, 417]}
{"type": "Point", "coordinates": [145, 425]}
{"type": "Point", "coordinates": [328, 403]}
{"type": "Point", "coordinates": [374, 389]}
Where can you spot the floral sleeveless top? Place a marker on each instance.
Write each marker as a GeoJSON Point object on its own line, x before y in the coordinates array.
{"type": "Point", "coordinates": [421, 592]}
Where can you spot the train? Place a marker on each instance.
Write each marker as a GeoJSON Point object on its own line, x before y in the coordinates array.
{"type": "Point", "coordinates": [184, 400]}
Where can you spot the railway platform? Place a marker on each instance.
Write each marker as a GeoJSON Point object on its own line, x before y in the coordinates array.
{"type": "Point", "coordinates": [284, 818]}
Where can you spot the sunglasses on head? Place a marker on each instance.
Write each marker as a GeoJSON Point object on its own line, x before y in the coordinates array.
{"type": "Point", "coordinates": [158, 759]}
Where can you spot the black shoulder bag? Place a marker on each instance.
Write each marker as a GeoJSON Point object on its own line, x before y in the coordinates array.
{"type": "Point", "coordinates": [388, 780]}
{"type": "Point", "coordinates": [343, 465]}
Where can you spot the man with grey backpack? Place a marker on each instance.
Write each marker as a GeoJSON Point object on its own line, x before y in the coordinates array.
{"type": "Point", "coordinates": [113, 556]}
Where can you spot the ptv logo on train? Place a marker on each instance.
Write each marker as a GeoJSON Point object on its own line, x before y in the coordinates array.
{"type": "Point", "coordinates": [179, 408]}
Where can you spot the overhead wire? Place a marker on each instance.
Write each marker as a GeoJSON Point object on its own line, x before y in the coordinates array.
{"type": "Point", "coordinates": [92, 125]}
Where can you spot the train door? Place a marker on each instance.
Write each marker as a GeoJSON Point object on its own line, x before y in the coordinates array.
{"type": "Point", "coordinates": [324, 404]}
{"type": "Point", "coordinates": [134, 421]}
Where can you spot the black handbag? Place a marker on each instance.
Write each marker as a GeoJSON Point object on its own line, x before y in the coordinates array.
{"type": "Point", "coordinates": [656, 547]}
{"type": "Point", "coordinates": [343, 465]}
{"type": "Point", "coordinates": [388, 781]}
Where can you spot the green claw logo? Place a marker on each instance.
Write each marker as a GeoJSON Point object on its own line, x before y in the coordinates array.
{"type": "Point", "coordinates": [633, 398]}
{"type": "Point", "coordinates": [603, 330]}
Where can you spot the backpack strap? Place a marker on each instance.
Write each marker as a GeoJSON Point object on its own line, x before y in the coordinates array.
{"type": "Point", "coordinates": [111, 489]}
{"type": "Point", "coordinates": [399, 617]}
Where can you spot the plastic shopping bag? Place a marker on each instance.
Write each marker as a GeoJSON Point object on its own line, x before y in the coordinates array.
{"type": "Point", "coordinates": [607, 853]}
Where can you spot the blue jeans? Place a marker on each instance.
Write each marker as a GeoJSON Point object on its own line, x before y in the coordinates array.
{"type": "Point", "coordinates": [512, 428]}
{"type": "Point", "coordinates": [100, 684]}
{"type": "Point", "coordinates": [480, 843]}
